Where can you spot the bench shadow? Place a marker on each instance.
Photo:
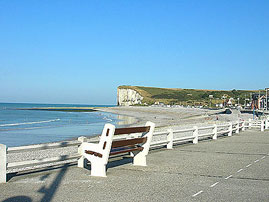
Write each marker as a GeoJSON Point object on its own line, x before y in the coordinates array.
{"type": "Point", "coordinates": [51, 189]}
{"type": "Point", "coordinates": [119, 162]}
{"type": "Point", "coordinates": [18, 198]}
{"type": "Point", "coordinates": [47, 191]}
{"type": "Point", "coordinates": [38, 170]}
{"type": "Point", "coordinates": [114, 161]}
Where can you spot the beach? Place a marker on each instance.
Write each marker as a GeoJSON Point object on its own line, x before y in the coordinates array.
{"type": "Point", "coordinates": [175, 117]}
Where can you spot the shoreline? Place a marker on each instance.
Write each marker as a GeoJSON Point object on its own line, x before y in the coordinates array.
{"type": "Point", "coordinates": [64, 109]}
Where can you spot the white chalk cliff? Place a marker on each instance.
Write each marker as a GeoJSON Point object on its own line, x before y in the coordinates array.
{"type": "Point", "coordinates": [128, 97]}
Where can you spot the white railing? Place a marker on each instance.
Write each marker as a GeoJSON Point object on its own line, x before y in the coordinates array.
{"type": "Point", "coordinates": [30, 164]}
{"type": "Point", "coordinates": [262, 124]}
{"type": "Point", "coordinates": [166, 139]}
{"type": "Point", "coordinates": [197, 133]}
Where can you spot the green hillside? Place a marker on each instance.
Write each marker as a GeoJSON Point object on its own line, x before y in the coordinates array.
{"type": "Point", "coordinates": [189, 96]}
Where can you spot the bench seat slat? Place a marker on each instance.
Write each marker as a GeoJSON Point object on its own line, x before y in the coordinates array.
{"type": "Point", "coordinates": [121, 131]}
{"type": "Point", "coordinates": [125, 150]}
{"type": "Point", "coordinates": [128, 142]}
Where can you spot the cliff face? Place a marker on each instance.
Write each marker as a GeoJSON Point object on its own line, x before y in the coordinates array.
{"type": "Point", "coordinates": [127, 97]}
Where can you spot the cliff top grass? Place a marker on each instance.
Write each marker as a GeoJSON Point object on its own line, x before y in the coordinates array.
{"type": "Point", "coordinates": [188, 96]}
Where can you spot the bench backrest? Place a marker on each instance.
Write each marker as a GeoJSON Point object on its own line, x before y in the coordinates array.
{"type": "Point", "coordinates": [109, 131]}
{"type": "Point", "coordinates": [139, 143]}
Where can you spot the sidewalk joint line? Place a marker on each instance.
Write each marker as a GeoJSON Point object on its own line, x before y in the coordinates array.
{"type": "Point", "coordinates": [213, 185]}
{"type": "Point", "coordinates": [199, 192]}
{"type": "Point", "coordinates": [240, 170]}
{"type": "Point", "coordinates": [228, 177]}
{"type": "Point", "coordinates": [249, 165]}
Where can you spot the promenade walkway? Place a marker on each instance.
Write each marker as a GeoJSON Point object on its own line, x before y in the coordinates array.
{"type": "Point", "coordinates": [229, 169]}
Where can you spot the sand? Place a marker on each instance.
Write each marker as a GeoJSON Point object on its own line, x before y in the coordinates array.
{"type": "Point", "coordinates": [176, 117]}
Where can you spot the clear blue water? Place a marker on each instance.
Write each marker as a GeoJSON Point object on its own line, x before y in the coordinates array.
{"type": "Point", "coordinates": [24, 127]}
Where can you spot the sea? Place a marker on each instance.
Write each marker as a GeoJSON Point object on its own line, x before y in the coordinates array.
{"type": "Point", "coordinates": [24, 127]}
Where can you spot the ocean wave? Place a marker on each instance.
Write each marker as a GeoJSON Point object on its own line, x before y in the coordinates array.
{"type": "Point", "coordinates": [27, 123]}
{"type": "Point", "coordinates": [32, 128]}
{"type": "Point", "coordinates": [105, 118]}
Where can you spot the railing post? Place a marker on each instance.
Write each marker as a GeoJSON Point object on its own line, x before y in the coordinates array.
{"type": "Point", "coordinates": [215, 131]}
{"type": "Point", "coordinates": [262, 125]}
{"type": "Point", "coordinates": [195, 135]}
{"type": "Point", "coordinates": [243, 125]}
{"type": "Point", "coordinates": [82, 160]}
{"type": "Point", "coordinates": [3, 163]}
{"type": "Point", "coordinates": [267, 123]}
{"type": "Point", "coordinates": [237, 127]}
{"type": "Point", "coordinates": [230, 129]}
{"type": "Point", "coordinates": [250, 124]}
{"type": "Point", "coordinates": [170, 138]}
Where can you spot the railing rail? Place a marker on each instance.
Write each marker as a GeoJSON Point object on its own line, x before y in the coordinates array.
{"type": "Point", "coordinates": [43, 160]}
{"type": "Point", "coordinates": [42, 146]}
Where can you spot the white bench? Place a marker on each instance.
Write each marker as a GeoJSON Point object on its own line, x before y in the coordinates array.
{"type": "Point", "coordinates": [99, 153]}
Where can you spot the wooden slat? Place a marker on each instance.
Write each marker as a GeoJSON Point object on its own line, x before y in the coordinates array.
{"type": "Point", "coordinates": [120, 131]}
{"type": "Point", "coordinates": [125, 150]}
{"type": "Point", "coordinates": [93, 153]}
{"type": "Point", "coordinates": [128, 142]}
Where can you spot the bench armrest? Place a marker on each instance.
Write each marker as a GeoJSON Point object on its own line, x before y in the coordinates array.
{"type": "Point", "coordinates": [88, 146]}
{"type": "Point", "coordinates": [91, 146]}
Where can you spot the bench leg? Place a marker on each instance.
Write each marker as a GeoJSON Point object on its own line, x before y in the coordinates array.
{"type": "Point", "coordinates": [140, 160]}
{"type": "Point", "coordinates": [82, 162]}
{"type": "Point", "coordinates": [98, 169]}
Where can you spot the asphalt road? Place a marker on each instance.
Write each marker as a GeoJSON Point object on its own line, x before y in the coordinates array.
{"type": "Point", "coordinates": [228, 169]}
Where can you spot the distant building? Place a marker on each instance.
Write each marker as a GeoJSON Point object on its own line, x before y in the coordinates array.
{"type": "Point", "coordinates": [259, 101]}
{"type": "Point", "coordinates": [230, 102]}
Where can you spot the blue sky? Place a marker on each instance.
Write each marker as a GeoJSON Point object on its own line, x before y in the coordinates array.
{"type": "Point", "coordinates": [80, 51]}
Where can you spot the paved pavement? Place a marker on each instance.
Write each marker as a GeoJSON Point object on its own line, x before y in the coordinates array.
{"type": "Point", "coordinates": [228, 169]}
